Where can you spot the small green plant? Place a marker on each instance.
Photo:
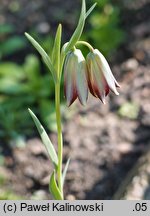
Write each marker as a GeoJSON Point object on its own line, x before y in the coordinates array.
{"type": "Point", "coordinates": [129, 110]}
{"type": "Point", "coordinates": [10, 45]}
{"type": "Point", "coordinates": [80, 77]}
{"type": "Point", "coordinates": [9, 195]}
{"type": "Point", "coordinates": [19, 86]}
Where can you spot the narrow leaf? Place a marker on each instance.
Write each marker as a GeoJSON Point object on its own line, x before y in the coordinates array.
{"type": "Point", "coordinates": [78, 31]}
{"type": "Point", "coordinates": [90, 10]}
{"type": "Point", "coordinates": [42, 52]}
{"type": "Point", "coordinates": [36, 45]}
{"type": "Point", "coordinates": [54, 190]}
{"type": "Point", "coordinates": [46, 141]}
{"type": "Point", "coordinates": [56, 49]}
{"type": "Point", "coordinates": [65, 171]}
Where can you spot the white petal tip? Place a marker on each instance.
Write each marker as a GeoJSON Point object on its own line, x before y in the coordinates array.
{"type": "Point", "coordinates": [83, 102]}
{"type": "Point", "coordinates": [68, 104]}
{"type": "Point", "coordinates": [115, 91]}
{"type": "Point", "coordinates": [103, 101]}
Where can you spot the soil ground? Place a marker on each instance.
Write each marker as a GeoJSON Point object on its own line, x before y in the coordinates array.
{"type": "Point", "coordinates": [103, 145]}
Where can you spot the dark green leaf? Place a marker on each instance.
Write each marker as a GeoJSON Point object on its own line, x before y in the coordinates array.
{"type": "Point", "coordinates": [32, 68]}
{"type": "Point", "coordinates": [11, 71]}
{"type": "Point", "coordinates": [6, 28]}
{"type": "Point", "coordinates": [12, 45]}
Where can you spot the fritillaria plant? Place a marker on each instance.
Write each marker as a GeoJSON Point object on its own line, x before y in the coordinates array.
{"type": "Point", "coordinates": [81, 75]}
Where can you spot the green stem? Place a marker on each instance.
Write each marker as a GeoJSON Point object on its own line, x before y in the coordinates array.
{"type": "Point", "coordinates": [60, 140]}
{"type": "Point", "coordinates": [86, 44]}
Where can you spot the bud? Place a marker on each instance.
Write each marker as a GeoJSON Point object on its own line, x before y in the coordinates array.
{"type": "Point", "coordinates": [75, 78]}
{"type": "Point", "coordinates": [100, 77]}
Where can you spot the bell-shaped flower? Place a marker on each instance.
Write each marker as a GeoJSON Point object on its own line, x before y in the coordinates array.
{"type": "Point", "coordinates": [75, 77]}
{"type": "Point", "coordinates": [100, 77]}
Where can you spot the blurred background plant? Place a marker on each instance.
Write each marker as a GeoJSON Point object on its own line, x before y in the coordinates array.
{"type": "Point", "coordinates": [104, 26]}
{"type": "Point", "coordinates": [22, 86]}
{"type": "Point", "coordinates": [10, 43]}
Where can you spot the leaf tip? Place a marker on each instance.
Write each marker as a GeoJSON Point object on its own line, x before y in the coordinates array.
{"type": "Point", "coordinates": [60, 25]}
{"type": "Point", "coordinates": [31, 113]}
{"type": "Point", "coordinates": [29, 110]}
{"type": "Point", "coordinates": [26, 34]}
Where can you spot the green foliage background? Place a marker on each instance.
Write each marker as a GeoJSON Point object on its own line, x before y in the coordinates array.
{"type": "Point", "coordinates": [30, 85]}
{"type": "Point", "coordinates": [104, 26]}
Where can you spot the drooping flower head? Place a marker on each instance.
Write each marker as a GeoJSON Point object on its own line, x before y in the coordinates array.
{"type": "Point", "coordinates": [100, 77]}
{"type": "Point", "coordinates": [75, 77]}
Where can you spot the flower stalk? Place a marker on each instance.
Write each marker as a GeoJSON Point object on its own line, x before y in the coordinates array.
{"type": "Point", "coordinates": [59, 136]}
{"type": "Point", "coordinates": [85, 44]}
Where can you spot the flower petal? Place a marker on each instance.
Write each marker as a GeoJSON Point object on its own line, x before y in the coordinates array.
{"type": "Point", "coordinates": [69, 79]}
{"type": "Point", "coordinates": [98, 82]}
{"type": "Point", "coordinates": [104, 66]}
{"type": "Point", "coordinates": [90, 79]}
{"type": "Point", "coordinates": [71, 95]}
{"type": "Point", "coordinates": [106, 88]}
{"type": "Point", "coordinates": [81, 82]}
